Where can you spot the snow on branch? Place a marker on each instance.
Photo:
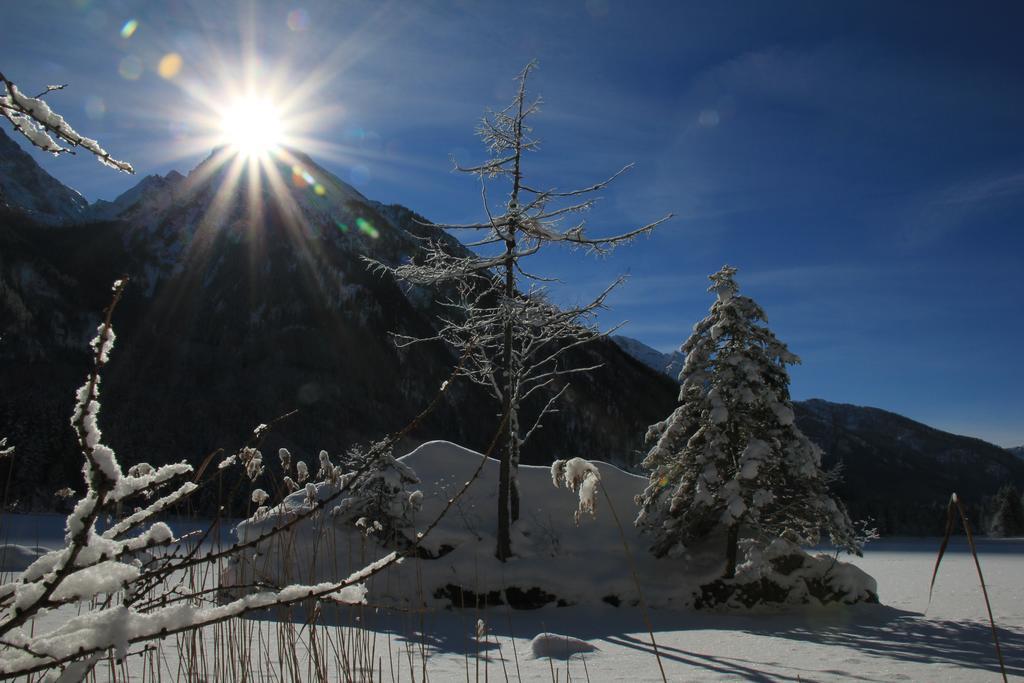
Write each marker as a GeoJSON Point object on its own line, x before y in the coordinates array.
{"type": "Point", "coordinates": [45, 128]}
{"type": "Point", "coordinates": [579, 476]}
{"type": "Point", "coordinates": [118, 627]}
{"type": "Point", "coordinates": [125, 584]}
{"type": "Point", "coordinates": [89, 563]}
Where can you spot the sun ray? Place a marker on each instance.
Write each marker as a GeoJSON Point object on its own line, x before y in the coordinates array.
{"type": "Point", "coordinates": [261, 113]}
{"type": "Point", "coordinates": [225, 196]}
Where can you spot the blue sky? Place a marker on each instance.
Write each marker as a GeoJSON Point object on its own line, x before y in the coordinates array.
{"type": "Point", "coordinates": [862, 164]}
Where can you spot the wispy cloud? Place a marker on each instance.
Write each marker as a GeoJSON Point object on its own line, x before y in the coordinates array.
{"type": "Point", "coordinates": [841, 125]}
{"type": "Point", "coordinates": [983, 190]}
{"type": "Point", "coordinates": [935, 214]}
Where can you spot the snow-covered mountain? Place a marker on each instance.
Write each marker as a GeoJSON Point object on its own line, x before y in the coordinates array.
{"type": "Point", "coordinates": [26, 187]}
{"type": "Point", "coordinates": [670, 364]}
{"type": "Point", "coordinates": [1017, 450]}
{"type": "Point", "coordinates": [241, 310]}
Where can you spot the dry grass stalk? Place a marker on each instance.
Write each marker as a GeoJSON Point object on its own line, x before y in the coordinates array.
{"type": "Point", "coordinates": [955, 505]}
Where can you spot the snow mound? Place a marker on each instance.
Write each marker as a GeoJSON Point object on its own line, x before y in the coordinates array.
{"type": "Point", "coordinates": [561, 557]}
{"type": "Point", "coordinates": [556, 646]}
{"type": "Point", "coordinates": [783, 575]}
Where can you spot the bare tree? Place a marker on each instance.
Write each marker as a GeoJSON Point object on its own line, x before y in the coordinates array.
{"type": "Point", "coordinates": [516, 338]}
{"type": "Point", "coordinates": [45, 128]}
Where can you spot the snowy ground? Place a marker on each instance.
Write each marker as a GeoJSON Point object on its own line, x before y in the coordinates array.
{"type": "Point", "coordinates": [904, 639]}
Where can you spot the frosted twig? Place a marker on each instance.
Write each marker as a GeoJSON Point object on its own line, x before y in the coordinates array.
{"type": "Point", "coordinates": [45, 128]}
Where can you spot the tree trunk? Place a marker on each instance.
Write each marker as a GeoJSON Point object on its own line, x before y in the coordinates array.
{"type": "Point", "coordinates": [731, 547]}
{"type": "Point", "coordinates": [513, 502]}
{"type": "Point", "coordinates": [504, 549]}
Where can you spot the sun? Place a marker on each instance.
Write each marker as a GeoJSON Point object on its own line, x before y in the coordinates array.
{"type": "Point", "coordinates": [253, 126]}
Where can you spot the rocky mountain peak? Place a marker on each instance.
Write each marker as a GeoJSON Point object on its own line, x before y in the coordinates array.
{"type": "Point", "coordinates": [151, 189]}
{"type": "Point", "coordinates": [670, 364]}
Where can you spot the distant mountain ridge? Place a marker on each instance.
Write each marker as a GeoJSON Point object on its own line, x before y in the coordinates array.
{"type": "Point", "coordinates": [900, 472]}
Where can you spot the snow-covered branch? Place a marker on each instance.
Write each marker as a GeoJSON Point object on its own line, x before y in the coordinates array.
{"type": "Point", "coordinates": [46, 129]}
{"type": "Point", "coordinates": [124, 585]}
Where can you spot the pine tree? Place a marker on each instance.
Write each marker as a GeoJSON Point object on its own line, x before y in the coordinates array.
{"type": "Point", "coordinates": [381, 500]}
{"type": "Point", "coordinates": [730, 458]}
{"type": "Point", "coordinates": [1008, 513]}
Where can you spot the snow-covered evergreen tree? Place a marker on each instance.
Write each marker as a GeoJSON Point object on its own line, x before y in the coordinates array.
{"type": "Point", "coordinates": [380, 500]}
{"type": "Point", "coordinates": [730, 458]}
{"type": "Point", "coordinates": [1007, 513]}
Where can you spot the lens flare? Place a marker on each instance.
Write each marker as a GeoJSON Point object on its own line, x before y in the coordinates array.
{"type": "Point", "coordinates": [129, 28]}
{"type": "Point", "coordinates": [130, 68]}
{"type": "Point", "coordinates": [95, 107]}
{"type": "Point", "coordinates": [367, 228]}
{"type": "Point", "coordinates": [170, 65]}
{"type": "Point", "coordinates": [298, 20]}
